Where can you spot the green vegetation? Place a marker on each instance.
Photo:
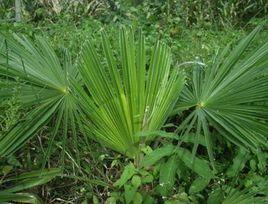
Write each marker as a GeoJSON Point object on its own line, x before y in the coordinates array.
{"type": "Point", "coordinates": [134, 102]}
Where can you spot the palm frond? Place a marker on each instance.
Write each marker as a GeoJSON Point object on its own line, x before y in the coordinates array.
{"type": "Point", "coordinates": [18, 184]}
{"type": "Point", "coordinates": [130, 96]}
{"type": "Point", "coordinates": [42, 86]}
{"type": "Point", "coordinates": [243, 197]}
{"type": "Point", "coordinates": [230, 95]}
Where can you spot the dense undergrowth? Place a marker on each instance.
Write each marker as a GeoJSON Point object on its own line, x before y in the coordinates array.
{"type": "Point", "coordinates": [212, 148]}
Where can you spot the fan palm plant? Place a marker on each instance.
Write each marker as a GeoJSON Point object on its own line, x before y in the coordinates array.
{"type": "Point", "coordinates": [229, 95]}
{"type": "Point", "coordinates": [34, 69]}
{"type": "Point", "coordinates": [126, 98]}
{"type": "Point", "coordinates": [112, 96]}
{"type": "Point", "coordinates": [111, 101]}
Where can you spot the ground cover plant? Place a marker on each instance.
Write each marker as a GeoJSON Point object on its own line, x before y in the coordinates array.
{"type": "Point", "coordinates": [94, 111]}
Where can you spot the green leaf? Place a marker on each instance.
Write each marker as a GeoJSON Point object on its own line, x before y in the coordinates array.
{"type": "Point", "coordinates": [147, 179]}
{"type": "Point", "coordinates": [181, 198]}
{"type": "Point", "coordinates": [130, 192]}
{"type": "Point", "coordinates": [238, 162]}
{"type": "Point", "coordinates": [192, 139]}
{"type": "Point", "coordinates": [198, 185]}
{"type": "Point", "coordinates": [137, 199]}
{"type": "Point", "coordinates": [157, 154]}
{"type": "Point", "coordinates": [136, 181]}
{"type": "Point", "coordinates": [216, 196]}
{"type": "Point", "coordinates": [148, 199]}
{"type": "Point", "coordinates": [197, 165]}
{"type": "Point", "coordinates": [167, 175]}
{"type": "Point", "coordinates": [128, 172]}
